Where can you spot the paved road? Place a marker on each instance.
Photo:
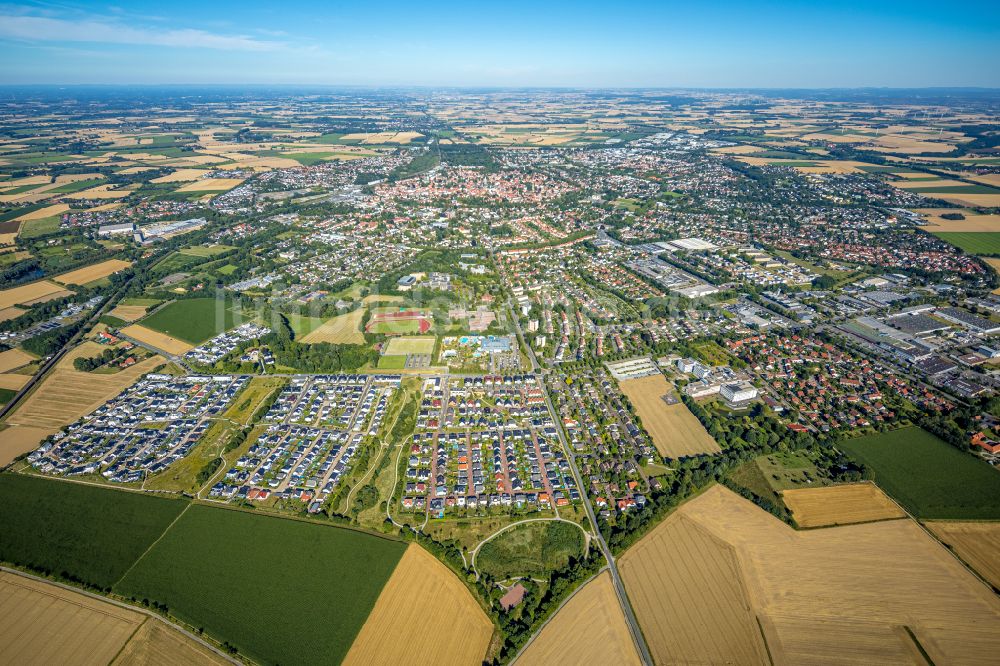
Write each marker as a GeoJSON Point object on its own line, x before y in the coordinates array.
{"type": "Point", "coordinates": [630, 619]}
{"type": "Point", "coordinates": [633, 624]}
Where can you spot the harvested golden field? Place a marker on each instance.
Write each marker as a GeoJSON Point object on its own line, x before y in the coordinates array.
{"type": "Point", "coordinates": [974, 200]}
{"type": "Point", "coordinates": [873, 576]}
{"type": "Point", "coordinates": [211, 185]}
{"type": "Point", "coordinates": [978, 544]}
{"type": "Point", "coordinates": [90, 273]}
{"type": "Point", "coordinates": [342, 329]}
{"type": "Point", "coordinates": [894, 143]}
{"type": "Point", "coordinates": [14, 358]}
{"type": "Point", "coordinates": [128, 312]}
{"type": "Point", "coordinates": [921, 184]}
{"type": "Point", "coordinates": [102, 192]}
{"type": "Point", "coordinates": [180, 176]}
{"type": "Point", "coordinates": [972, 221]}
{"type": "Point", "coordinates": [737, 150]}
{"type": "Point", "coordinates": [424, 615]}
{"type": "Point", "coordinates": [382, 137]}
{"type": "Point", "coordinates": [157, 340]}
{"type": "Point", "coordinates": [986, 178]}
{"type": "Point", "coordinates": [590, 628]}
{"type": "Point", "coordinates": [46, 624]}
{"type": "Point", "coordinates": [13, 382]}
{"type": "Point", "coordinates": [676, 432]}
{"type": "Point", "coordinates": [157, 644]}
{"type": "Point", "coordinates": [689, 597]}
{"type": "Point", "coordinates": [16, 440]}
{"type": "Point", "coordinates": [28, 292]}
{"type": "Point", "coordinates": [834, 642]}
{"type": "Point", "coordinates": [840, 505]}
{"type": "Point", "coordinates": [62, 293]}
{"type": "Point", "coordinates": [67, 394]}
{"type": "Point", "coordinates": [41, 213]}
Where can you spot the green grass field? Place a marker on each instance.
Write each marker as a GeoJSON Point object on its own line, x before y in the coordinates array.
{"type": "Point", "coordinates": [531, 549]}
{"type": "Point", "coordinates": [177, 262]}
{"type": "Point", "coordinates": [202, 251]}
{"type": "Point", "coordinates": [788, 470]}
{"type": "Point", "coordinates": [973, 242]}
{"type": "Point", "coordinates": [78, 186]}
{"type": "Point", "coordinates": [411, 345]}
{"type": "Point", "coordinates": [281, 591]}
{"type": "Point", "coordinates": [302, 324]}
{"type": "Point", "coordinates": [76, 531]}
{"type": "Point", "coordinates": [40, 227]}
{"type": "Point", "coordinates": [145, 302]}
{"type": "Point", "coordinates": [193, 320]}
{"type": "Point", "coordinates": [392, 362]}
{"type": "Point", "coordinates": [928, 476]}
{"type": "Point", "coordinates": [251, 397]}
{"type": "Point", "coordinates": [308, 159]}
{"type": "Point", "coordinates": [403, 326]}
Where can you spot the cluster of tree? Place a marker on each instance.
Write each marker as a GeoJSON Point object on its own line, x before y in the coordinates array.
{"type": "Point", "coordinates": [85, 364]}
{"type": "Point", "coordinates": [425, 161]}
{"type": "Point", "coordinates": [51, 341]}
{"type": "Point", "coordinates": [518, 626]}
{"type": "Point", "coordinates": [469, 155]}
{"type": "Point", "coordinates": [19, 272]}
{"type": "Point", "coordinates": [206, 472]}
{"type": "Point", "coordinates": [44, 311]}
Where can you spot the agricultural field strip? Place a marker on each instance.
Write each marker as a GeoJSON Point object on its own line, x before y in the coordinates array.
{"type": "Point", "coordinates": [588, 627]}
{"type": "Point", "coordinates": [976, 544]}
{"type": "Point", "coordinates": [63, 396]}
{"type": "Point", "coordinates": [149, 619]}
{"type": "Point", "coordinates": [674, 429]}
{"type": "Point", "coordinates": [840, 505]}
{"type": "Point", "coordinates": [31, 610]}
{"type": "Point", "coordinates": [838, 574]}
{"type": "Point", "coordinates": [423, 610]}
{"type": "Point", "coordinates": [682, 579]}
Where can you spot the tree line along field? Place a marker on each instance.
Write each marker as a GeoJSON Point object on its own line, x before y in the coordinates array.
{"type": "Point", "coordinates": [279, 590]}
{"type": "Point", "coordinates": [930, 478]}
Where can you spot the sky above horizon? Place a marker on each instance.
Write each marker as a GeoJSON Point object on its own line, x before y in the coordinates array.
{"type": "Point", "coordinates": [579, 44]}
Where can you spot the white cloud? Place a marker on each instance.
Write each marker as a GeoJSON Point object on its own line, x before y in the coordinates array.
{"type": "Point", "coordinates": [45, 29]}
